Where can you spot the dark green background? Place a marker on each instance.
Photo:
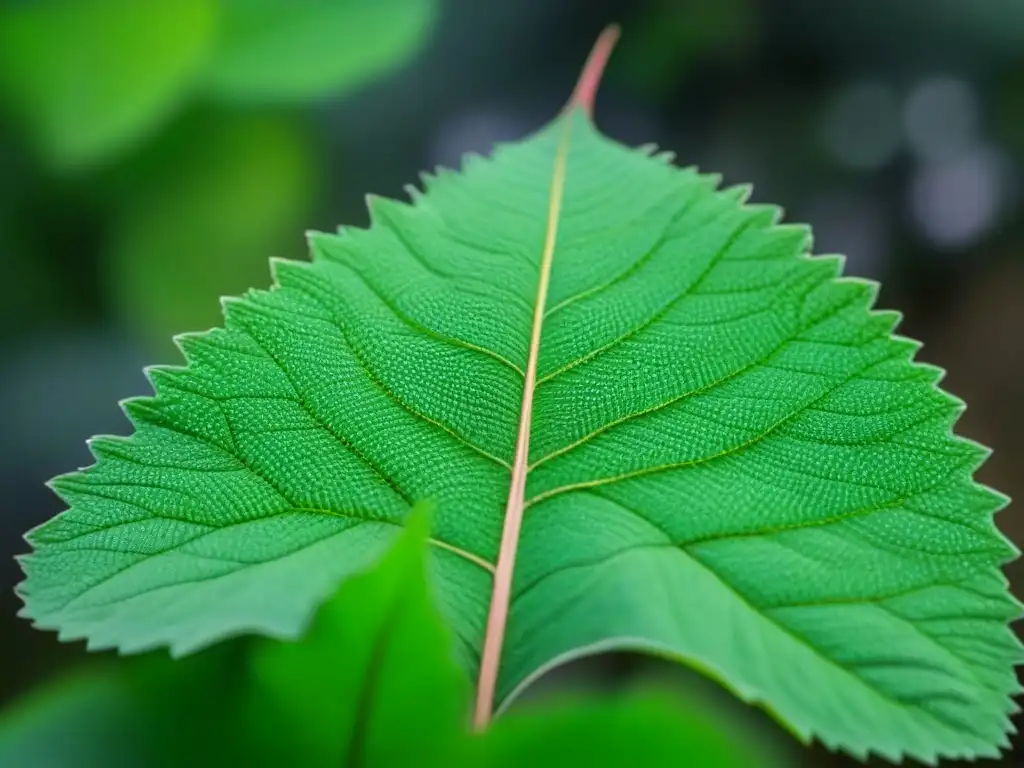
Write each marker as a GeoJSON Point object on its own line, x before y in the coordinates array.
{"type": "Point", "coordinates": [895, 127]}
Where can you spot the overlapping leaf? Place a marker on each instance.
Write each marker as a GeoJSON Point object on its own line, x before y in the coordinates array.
{"type": "Point", "coordinates": [732, 460]}
{"type": "Point", "coordinates": [287, 51]}
{"type": "Point", "coordinates": [89, 76]}
{"type": "Point", "coordinates": [372, 683]}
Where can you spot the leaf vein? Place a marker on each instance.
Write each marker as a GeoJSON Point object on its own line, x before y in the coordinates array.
{"type": "Point", "coordinates": [416, 325]}
{"type": "Point", "coordinates": [677, 398]}
{"type": "Point", "coordinates": [704, 459]}
{"type": "Point", "coordinates": [908, 702]}
{"type": "Point", "coordinates": [712, 263]}
{"type": "Point", "coordinates": [391, 395]}
{"type": "Point", "coordinates": [337, 435]}
{"type": "Point", "coordinates": [637, 265]}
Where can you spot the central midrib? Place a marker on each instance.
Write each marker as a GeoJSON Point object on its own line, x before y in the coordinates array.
{"type": "Point", "coordinates": [497, 618]}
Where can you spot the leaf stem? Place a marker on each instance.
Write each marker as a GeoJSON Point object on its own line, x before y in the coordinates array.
{"type": "Point", "coordinates": [497, 618]}
{"type": "Point", "coordinates": [586, 87]}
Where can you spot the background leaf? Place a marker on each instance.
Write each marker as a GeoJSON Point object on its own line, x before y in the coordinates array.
{"type": "Point", "coordinates": [217, 192]}
{"type": "Point", "coordinates": [127, 713]}
{"type": "Point", "coordinates": [372, 683]}
{"type": "Point", "coordinates": [89, 77]}
{"type": "Point", "coordinates": [642, 728]}
{"type": "Point", "coordinates": [280, 51]}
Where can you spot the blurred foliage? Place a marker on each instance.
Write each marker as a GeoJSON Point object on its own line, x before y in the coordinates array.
{"type": "Point", "coordinates": [1009, 117]}
{"type": "Point", "coordinates": [202, 211]}
{"type": "Point", "coordinates": [89, 78]}
{"type": "Point", "coordinates": [142, 711]}
{"type": "Point", "coordinates": [672, 37]}
{"type": "Point", "coordinates": [971, 35]}
{"type": "Point", "coordinates": [140, 180]}
{"type": "Point", "coordinates": [186, 199]}
{"type": "Point", "coordinates": [89, 106]}
{"type": "Point", "coordinates": [293, 50]}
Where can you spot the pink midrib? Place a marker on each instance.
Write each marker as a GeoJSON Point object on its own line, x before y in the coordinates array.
{"type": "Point", "coordinates": [497, 619]}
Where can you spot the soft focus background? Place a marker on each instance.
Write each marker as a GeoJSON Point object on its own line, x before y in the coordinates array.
{"type": "Point", "coordinates": [154, 155]}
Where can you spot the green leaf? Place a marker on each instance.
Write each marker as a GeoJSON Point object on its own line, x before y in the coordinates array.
{"type": "Point", "coordinates": [149, 711]}
{"type": "Point", "coordinates": [373, 682]}
{"type": "Point", "coordinates": [268, 702]}
{"type": "Point", "coordinates": [285, 51]}
{"type": "Point", "coordinates": [394, 696]}
{"type": "Point", "coordinates": [643, 728]}
{"type": "Point", "coordinates": [672, 41]}
{"type": "Point", "coordinates": [90, 77]}
{"type": "Point", "coordinates": [211, 196]}
{"type": "Point", "coordinates": [723, 454]}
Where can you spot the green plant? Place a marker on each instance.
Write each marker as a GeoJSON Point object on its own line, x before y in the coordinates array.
{"type": "Point", "coordinates": [647, 418]}
{"type": "Point", "coordinates": [91, 78]}
{"type": "Point", "coordinates": [155, 120]}
{"type": "Point", "coordinates": [398, 699]}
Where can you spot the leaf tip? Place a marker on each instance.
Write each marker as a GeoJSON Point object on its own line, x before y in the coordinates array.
{"type": "Point", "coordinates": [590, 78]}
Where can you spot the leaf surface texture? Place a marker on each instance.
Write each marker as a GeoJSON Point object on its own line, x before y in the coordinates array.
{"type": "Point", "coordinates": [733, 461]}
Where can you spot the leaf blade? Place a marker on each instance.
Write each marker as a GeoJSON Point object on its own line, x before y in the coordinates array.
{"type": "Point", "coordinates": [724, 435]}
{"type": "Point", "coordinates": [641, 727]}
{"type": "Point", "coordinates": [398, 674]}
